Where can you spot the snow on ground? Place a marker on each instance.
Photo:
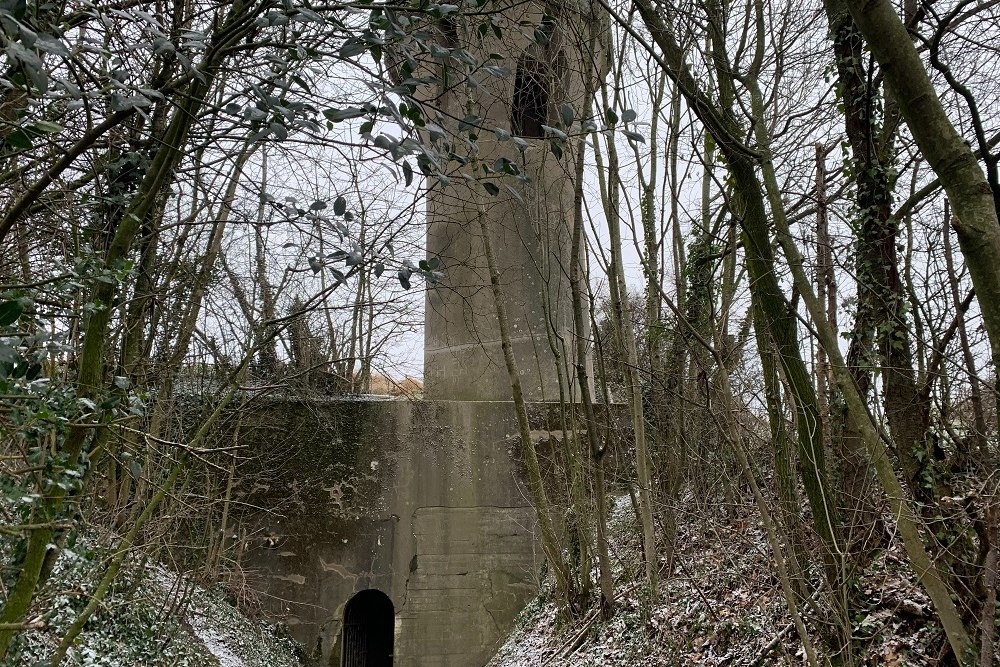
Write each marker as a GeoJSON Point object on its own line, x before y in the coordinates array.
{"type": "Point", "coordinates": [235, 640]}
{"type": "Point", "coordinates": [215, 643]}
{"type": "Point", "coordinates": [150, 618]}
{"type": "Point", "coordinates": [722, 606]}
{"type": "Point", "coordinates": [232, 638]}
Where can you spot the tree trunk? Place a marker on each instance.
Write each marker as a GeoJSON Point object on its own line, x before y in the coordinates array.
{"type": "Point", "coordinates": [948, 154]}
{"type": "Point", "coordinates": [625, 333]}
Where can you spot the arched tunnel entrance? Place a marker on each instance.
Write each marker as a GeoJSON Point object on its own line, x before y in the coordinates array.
{"type": "Point", "coordinates": [369, 624]}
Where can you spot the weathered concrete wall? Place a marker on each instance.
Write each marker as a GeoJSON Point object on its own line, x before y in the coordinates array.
{"type": "Point", "coordinates": [424, 501]}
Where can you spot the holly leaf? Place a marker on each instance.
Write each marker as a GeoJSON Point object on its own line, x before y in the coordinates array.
{"type": "Point", "coordinates": [566, 113]}
{"type": "Point", "coordinates": [634, 136]}
{"type": "Point", "coordinates": [9, 312]}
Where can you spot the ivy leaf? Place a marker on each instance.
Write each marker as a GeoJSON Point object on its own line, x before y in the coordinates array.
{"type": "Point", "coordinates": [339, 206]}
{"type": "Point", "coordinates": [404, 277]}
{"type": "Point", "coordinates": [407, 173]}
{"type": "Point", "coordinates": [379, 269]}
{"type": "Point", "coordinates": [491, 188]}
{"type": "Point", "coordinates": [629, 116]}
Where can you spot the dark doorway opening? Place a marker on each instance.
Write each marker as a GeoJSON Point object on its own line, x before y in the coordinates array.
{"type": "Point", "coordinates": [369, 624]}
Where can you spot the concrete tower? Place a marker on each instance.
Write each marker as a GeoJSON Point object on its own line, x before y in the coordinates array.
{"type": "Point", "coordinates": [402, 528]}
{"type": "Point", "coordinates": [544, 48]}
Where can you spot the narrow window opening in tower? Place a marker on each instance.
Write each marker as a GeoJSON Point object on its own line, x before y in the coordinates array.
{"type": "Point", "coordinates": [449, 32]}
{"type": "Point", "coordinates": [529, 110]}
{"type": "Point", "coordinates": [369, 623]}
